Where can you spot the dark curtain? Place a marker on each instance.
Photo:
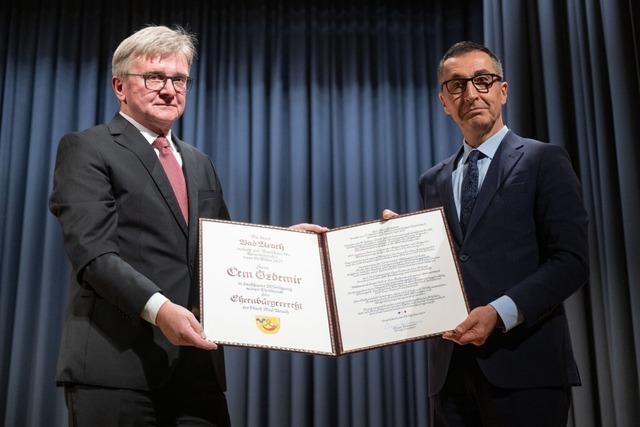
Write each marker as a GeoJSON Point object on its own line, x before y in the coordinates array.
{"type": "Point", "coordinates": [574, 71]}
{"type": "Point", "coordinates": [311, 111]}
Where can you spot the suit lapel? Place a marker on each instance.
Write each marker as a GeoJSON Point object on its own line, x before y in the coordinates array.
{"type": "Point", "coordinates": [189, 164]}
{"type": "Point", "coordinates": [506, 157]}
{"type": "Point", "coordinates": [125, 134]}
{"type": "Point", "coordinates": [445, 189]}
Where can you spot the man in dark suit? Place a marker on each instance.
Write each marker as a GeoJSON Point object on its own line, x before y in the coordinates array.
{"type": "Point", "coordinates": [128, 195]}
{"type": "Point", "coordinates": [519, 228]}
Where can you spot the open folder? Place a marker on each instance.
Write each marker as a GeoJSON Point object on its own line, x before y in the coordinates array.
{"type": "Point", "coordinates": [350, 289]}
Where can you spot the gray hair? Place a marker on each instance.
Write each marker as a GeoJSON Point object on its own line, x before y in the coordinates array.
{"type": "Point", "coordinates": [151, 42]}
{"type": "Point", "coordinates": [463, 47]}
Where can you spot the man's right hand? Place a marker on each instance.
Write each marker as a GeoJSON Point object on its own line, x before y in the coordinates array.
{"type": "Point", "coordinates": [181, 327]}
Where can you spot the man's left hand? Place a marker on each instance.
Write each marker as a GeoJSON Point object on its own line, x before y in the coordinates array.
{"type": "Point", "coordinates": [314, 228]}
{"type": "Point", "coordinates": [476, 328]}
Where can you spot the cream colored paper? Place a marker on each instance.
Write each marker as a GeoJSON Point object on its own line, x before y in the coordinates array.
{"type": "Point", "coordinates": [388, 281]}
{"type": "Point", "coordinates": [263, 286]}
{"type": "Point", "coordinates": [395, 280]}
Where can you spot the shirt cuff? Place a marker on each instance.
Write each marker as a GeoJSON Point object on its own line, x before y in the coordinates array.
{"type": "Point", "coordinates": [508, 312]}
{"type": "Point", "coordinates": [151, 308]}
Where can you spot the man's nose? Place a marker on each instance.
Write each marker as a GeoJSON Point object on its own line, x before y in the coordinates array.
{"type": "Point", "coordinates": [470, 91]}
{"type": "Point", "coordinates": [168, 88]}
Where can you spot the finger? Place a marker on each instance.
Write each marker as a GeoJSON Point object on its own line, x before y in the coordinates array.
{"type": "Point", "coordinates": [207, 345]}
{"type": "Point", "coordinates": [464, 327]}
{"type": "Point", "coordinates": [474, 336]}
{"type": "Point", "coordinates": [388, 214]}
{"type": "Point", "coordinates": [473, 321]}
{"type": "Point", "coordinates": [190, 332]}
{"type": "Point", "coordinates": [195, 325]}
{"type": "Point", "coordinates": [452, 338]}
{"type": "Point", "coordinates": [198, 339]}
{"type": "Point", "coordinates": [450, 334]}
{"type": "Point", "coordinates": [467, 338]}
{"type": "Point", "coordinates": [314, 228]}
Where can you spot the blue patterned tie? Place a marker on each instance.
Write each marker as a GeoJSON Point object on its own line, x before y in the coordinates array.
{"type": "Point", "coordinates": [469, 191]}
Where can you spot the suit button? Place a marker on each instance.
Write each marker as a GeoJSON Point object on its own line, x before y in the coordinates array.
{"type": "Point", "coordinates": [463, 257]}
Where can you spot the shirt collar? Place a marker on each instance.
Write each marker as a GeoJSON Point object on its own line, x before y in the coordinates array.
{"type": "Point", "coordinates": [149, 135]}
{"type": "Point", "coordinates": [488, 147]}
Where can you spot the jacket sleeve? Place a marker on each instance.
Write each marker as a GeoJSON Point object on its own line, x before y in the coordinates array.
{"type": "Point", "coordinates": [83, 201]}
{"type": "Point", "coordinates": [561, 229]}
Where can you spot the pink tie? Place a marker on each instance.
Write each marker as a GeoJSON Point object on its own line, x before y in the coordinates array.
{"type": "Point", "coordinates": [174, 173]}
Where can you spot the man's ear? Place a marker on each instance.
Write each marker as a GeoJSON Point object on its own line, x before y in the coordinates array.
{"type": "Point", "coordinates": [118, 88]}
{"type": "Point", "coordinates": [444, 104]}
{"type": "Point", "coordinates": [504, 92]}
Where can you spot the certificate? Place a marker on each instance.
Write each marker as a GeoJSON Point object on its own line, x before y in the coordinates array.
{"type": "Point", "coordinates": [350, 289]}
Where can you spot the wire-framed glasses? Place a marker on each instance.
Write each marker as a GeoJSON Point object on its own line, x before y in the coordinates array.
{"type": "Point", "coordinates": [157, 81]}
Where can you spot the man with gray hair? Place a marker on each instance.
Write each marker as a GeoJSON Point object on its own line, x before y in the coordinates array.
{"type": "Point", "coordinates": [128, 195]}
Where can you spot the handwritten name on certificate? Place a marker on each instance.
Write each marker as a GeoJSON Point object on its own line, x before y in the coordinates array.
{"type": "Point", "coordinates": [353, 288]}
{"type": "Point", "coordinates": [263, 286]}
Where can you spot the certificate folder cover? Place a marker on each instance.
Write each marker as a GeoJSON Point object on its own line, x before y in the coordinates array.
{"type": "Point", "coordinates": [350, 289]}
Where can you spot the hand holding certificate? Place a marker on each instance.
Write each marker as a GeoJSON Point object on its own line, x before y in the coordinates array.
{"type": "Point", "coordinates": [353, 288]}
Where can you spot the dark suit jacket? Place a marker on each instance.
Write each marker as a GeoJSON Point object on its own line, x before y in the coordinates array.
{"type": "Point", "coordinates": [526, 238]}
{"type": "Point", "coordinates": [126, 239]}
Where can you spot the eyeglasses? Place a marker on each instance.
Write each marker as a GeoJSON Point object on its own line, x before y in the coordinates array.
{"type": "Point", "coordinates": [482, 83]}
{"type": "Point", "coordinates": [157, 81]}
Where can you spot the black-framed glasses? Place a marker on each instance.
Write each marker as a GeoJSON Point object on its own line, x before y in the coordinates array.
{"type": "Point", "coordinates": [482, 83]}
{"type": "Point", "coordinates": [157, 81]}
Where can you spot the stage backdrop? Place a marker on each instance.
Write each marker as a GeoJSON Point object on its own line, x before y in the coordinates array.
{"type": "Point", "coordinates": [324, 112]}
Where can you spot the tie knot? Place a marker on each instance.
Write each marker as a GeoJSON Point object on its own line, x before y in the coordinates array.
{"type": "Point", "coordinates": [474, 156]}
{"type": "Point", "coordinates": [161, 143]}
